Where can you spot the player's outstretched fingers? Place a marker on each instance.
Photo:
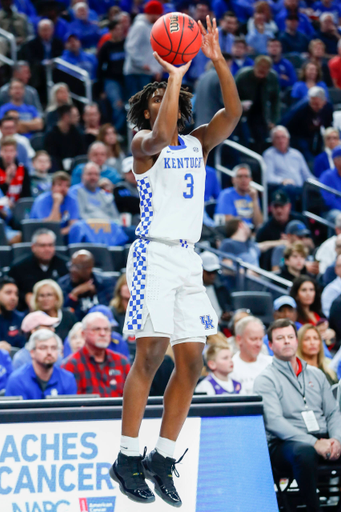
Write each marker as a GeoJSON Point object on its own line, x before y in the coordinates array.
{"type": "Point", "coordinates": [209, 24]}
{"type": "Point", "coordinates": [202, 28]}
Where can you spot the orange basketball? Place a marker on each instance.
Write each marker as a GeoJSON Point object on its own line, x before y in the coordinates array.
{"type": "Point", "coordinates": [176, 37]}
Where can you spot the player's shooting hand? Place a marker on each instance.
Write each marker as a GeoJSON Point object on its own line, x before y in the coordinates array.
{"type": "Point", "coordinates": [210, 41]}
{"type": "Point", "coordinates": [170, 69]}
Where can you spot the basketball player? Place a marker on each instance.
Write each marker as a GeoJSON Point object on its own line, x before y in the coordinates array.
{"type": "Point", "coordinates": [168, 301]}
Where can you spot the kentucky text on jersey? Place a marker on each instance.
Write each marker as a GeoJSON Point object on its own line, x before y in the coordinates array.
{"type": "Point", "coordinates": [183, 163]}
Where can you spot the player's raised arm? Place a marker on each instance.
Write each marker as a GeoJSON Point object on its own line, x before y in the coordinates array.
{"type": "Point", "coordinates": [148, 143]}
{"type": "Point", "coordinates": [225, 120]}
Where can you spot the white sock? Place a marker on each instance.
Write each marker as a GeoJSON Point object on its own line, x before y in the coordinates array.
{"type": "Point", "coordinates": [165, 447]}
{"type": "Point", "coordinates": [130, 446]}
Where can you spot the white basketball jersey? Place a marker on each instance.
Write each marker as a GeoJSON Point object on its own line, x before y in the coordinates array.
{"type": "Point", "coordinates": [172, 193]}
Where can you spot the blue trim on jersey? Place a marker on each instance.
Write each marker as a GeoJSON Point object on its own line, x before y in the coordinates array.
{"type": "Point", "coordinates": [137, 295]}
{"type": "Point", "coordinates": [146, 207]}
{"type": "Point", "coordinates": [182, 144]}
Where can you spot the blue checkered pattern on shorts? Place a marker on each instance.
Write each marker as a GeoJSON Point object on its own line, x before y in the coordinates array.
{"type": "Point", "coordinates": [184, 243]}
{"type": "Point", "coordinates": [146, 207]}
{"type": "Point", "coordinates": [137, 295]}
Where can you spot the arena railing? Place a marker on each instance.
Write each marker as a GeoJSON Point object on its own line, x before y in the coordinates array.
{"type": "Point", "coordinates": [267, 279]}
{"type": "Point", "coordinates": [238, 147]}
{"type": "Point", "coordinates": [313, 183]}
{"type": "Point", "coordinates": [74, 71]}
{"type": "Point", "coordinates": [13, 48]}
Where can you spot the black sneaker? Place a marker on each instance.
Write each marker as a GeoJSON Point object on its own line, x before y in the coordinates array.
{"type": "Point", "coordinates": [159, 470]}
{"type": "Point", "coordinates": [128, 473]}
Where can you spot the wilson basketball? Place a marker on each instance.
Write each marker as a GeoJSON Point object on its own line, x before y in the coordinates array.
{"type": "Point", "coordinates": [176, 37]}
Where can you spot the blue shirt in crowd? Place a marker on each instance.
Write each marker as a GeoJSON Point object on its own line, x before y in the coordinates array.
{"type": "Point", "coordinates": [304, 25]}
{"type": "Point", "coordinates": [42, 207]}
{"type": "Point", "coordinates": [83, 60]}
{"type": "Point", "coordinates": [87, 32]}
{"type": "Point", "coordinates": [323, 162]}
{"type": "Point", "coordinates": [26, 112]}
{"type": "Point", "coordinates": [238, 64]}
{"type": "Point", "coordinates": [23, 382]}
{"type": "Point", "coordinates": [106, 172]}
{"type": "Point", "coordinates": [332, 179]}
{"type": "Point", "coordinates": [230, 202]}
{"type": "Point", "coordinates": [61, 28]}
{"type": "Point", "coordinates": [259, 41]}
{"type": "Point", "coordinates": [10, 323]}
{"type": "Point", "coordinates": [212, 185]}
{"type": "Point", "coordinates": [284, 67]}
{"type": "Point", "coordinates": [5, 368]}
{"type": "Point", "coordinates": [335, 9]}
{"type": "Point", "coordinates": [300, 90]}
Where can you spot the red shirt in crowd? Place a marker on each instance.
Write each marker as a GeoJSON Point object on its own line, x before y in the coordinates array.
{"type": "Point", "coordinates": [335, 70]}
{"type": "Point", "coordinates": [105, 379]}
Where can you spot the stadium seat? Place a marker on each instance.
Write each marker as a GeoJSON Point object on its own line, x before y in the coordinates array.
{"type": "Point", "coordinates": [259, 303]}
{"type": "Point", "coordinates": [118, 257]}
{"type": "Point", "coordinates": [335, 97]}
{"type": "Point", "coordinates": [22, 210]}
{"type": "Point", "coordinates": [99, 251]}
{"type": "Point", "coordinates": [24, 249]}
{"type": "Point", "coordinates": [30, 226]}
{"type": "Point", "coordinates": [37, 141]}
{"type": "Point", "coordinates": [3, 238]}
{"type": "Point", "coordinates": [81, 159]}
{"type": "Point", "coordinates": [5, 256]}
{"type": "Point", "coordinates": [295, 59]}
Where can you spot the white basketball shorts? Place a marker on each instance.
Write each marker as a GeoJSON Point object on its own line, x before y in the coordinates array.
{"type": "Point", "coordinates": [167, 295]}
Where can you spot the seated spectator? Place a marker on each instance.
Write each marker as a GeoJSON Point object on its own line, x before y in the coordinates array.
{"type": "Point", "coordinates": [324, 161]}
{"type": "Point", "coordinates": [10, 318]}
{"type": "Point", "coordinates": [254, 83]}
{"type": "Point", "coordinates": [73, 54]}
{"type": "Point", "coordinates": [239, 55]}
{"type": "Point", "coordinates": [258, 34]}
{"type": "Point", "coordinates": [310, 75]}
{"type": "Point", "coordinates": [107, 134]}
{"type": "Point", "coordinates": [326, 253]}
{"type": "Point", "coordinates": [328, 33]}
{"type": "Point", "coordinates": [82, 288]}
{"type": "Point", "coordinates": [237, 315]}
{"type": "Point", "coordinates": [117, 343]}
{"type": "Point", "coordinates": [286, 307]}
{"type": "Point", "coordinates": [94, 365]}
{"type": "Point", "coordinates": [332, 290]}
{"type": "Point", "coordinates": [215, 289]}
{"type": "Point", "coordinates": [94, 203]}
{"type": "Point", "coordinates": [212, 184]}
{"type": "Point", "coordinates": [59, 205]}
{"type": "Point", "coordinates": [241, 200]}
{"type": "Point", "coordinates": [327, 6]}
{"type": "Point", "coordinates": [59, 95]}
{"type": "Point", "coordinates": [21, 71]}
{"type": "Point", "coordinates": [264, 8]}
{"type": "Point", "coordinates": [335, 67]}
{"type": "Point", "coordinates": [5, 369]}
{"type": "Point", "coordinates": [304, 122]}
{"type": "Point", "coordinates": [317, 54]}
{"type": "Point", "coordinates": [283, 67]}
{"type": "Point", "coordinates": [218, 359]}
{"type": "Point", "coordinates": [86, 31]}
{"type": "Point", "coordinates": [328, 336]}
{"type": "Point", "coordinates": [64, 141]}
{"type": "Point", "coordinates": [285, 167]}
{"type": "Point", "coordinates": [295, 231]}
{"type": "Point", "coordinates": [6, 213]}
{"type": "Point", "coordinates": [292, 39]}
{"type": "Point", "coordinates": [14, 176]}
{"type": "Point", "coordinates": [29, 117]}
{"type": "Point", "coordinates": [74, 342]}
{"type": "Point", "coordinates": [98, 154]}
{"type": "Point", "coordinates": [92, 123]}
{"type": "Point", "coordinates": [51, 10]}
{"type": "Point", "coordinates": [42, 378]}
{"type": "Point", "coordinates": [48, 297]}
{"type": "Point", "coordinates": [41, 181]}
{"type": "Point", "coordinates": [227, 30]}
{"type": "Point", "coordinates": [307, 295]}
{"type": "Point", "coordinates": [294, 261]}
{"type": "Point", "coordinates": [335, 250]}
{"type": "Point", "coordinates": [14, 22]}
{"type": "Point", "coordinates": [126, 194]}
{"type": "Point", "coordinates": [294, 446]}
{"type": "Point", "coordinates": [9, 128]}
{"type": "Point", "coordinates": [43, 263]}
{"type": "Point", "coordinates": [249, 362]}
{"type": "Point", "coordinates": [332, 178]}
{"type": "Point", "coordinates": [120, 301]}
{"type": "Point", "coordinates": [291, 8]}
{"type": "Point", "coordinates": [310, 349]}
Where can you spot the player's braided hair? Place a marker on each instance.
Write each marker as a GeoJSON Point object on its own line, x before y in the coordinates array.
{"type": "Point", "coordinates": [139, 103]}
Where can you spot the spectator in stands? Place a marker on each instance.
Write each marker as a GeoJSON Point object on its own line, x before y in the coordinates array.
{"type": "Point", "coordinates": [73, 54]}
{"type": "Point", "coordinates": [329, 274]}
{"type": "Point", "coordinates": [310, 76]}
{"type": "Point", "coordinates": [21, 71]}
{"type": "Point", "coordinates": [327, 252]}
{"type": "Point", "coordinates": [48, 297]}
{"type": "Point", "coordinates": [292, 39]}
{"type": "Point", "coordinates": [139, 67]}
{"type": "Point", "coordinates": [240, 59]}
{"type": "Point", "coordinates": [117, 343]}
{"type": "Point", "coordinates": [258, 34]}
{"type": "Point", "coordinates": [292, 445]}
{"type": "Point", "coordinates": [307, 295]}
{"type": "Point", "coordinates": [92, 123]}
{"type": "Point", "coordinates": [332, 290]}
{"type": "Point", "coordinates": [94, 203]}
{"type": "Point", "coordinates": [97, 369]}
{"type": "Point", "coordinates": [294, 261]}
{"type": "Point", "coordinates": [332, 178]}
{"type": "Point", "coordinates": [317, 54]}
{"type": "Point", "coordinates": [10, 318]}
{"type": "Point", "coordinates": [5, 369]}
{"type": "Point", "coordinates": [280, 209]}
{"type": "Point", "coordinates": [111, 58]}
{"type": "Point", "coordinates": [324, 160]}
{"type": "Point", "coordinates": [64, 141]}
{"type": "Point", "coordinates": [241, 200]}
{"type": "Point", "coordinates": [51, 9]}
{"type": "Point", "coordinates": [97, 154]}
{"type": "Point", "coordinates": [304, 122]}
{"type": "Point", "coordinates": [263, 7]}
{"type": "Point", "coordinates": [107, 134]}
{"type": "Point", "coordinates": [14, 176]}
{"type": "Point", "coordinates": [295, 231]}
{"type": "Point", "coordinates": [29, 118]}
{"type": "Point", "coordinates": [310, 349]}
{"type": "Point", "coordinates": [42, 378]}
{"type": "Point", "coordinates": [218, 359]}
{"type": "Point", "coordinates": [335, 318]}
{"type": "Point", "coordinates": [291, 8]}
{"type": "Point", "coordinates": [249, 362]}
{"type": "Point", "coordinates": [59, 96]}
{"type": "Point", "coordinates": [41, 181]}
{"type": "Point", "coordinates": [82, 288]}
{"type": "Point", "coordinates": [258, 89]}
{"type": "Point", "coordinates": [126, 195]}
{"type": "Point", "coordinates": [335, 67]}
{"type": "Point", "coordinates": [6, 206]}
{"type": "Point", "coordinates": [286, 307]}
{"type": "Point", "coordinates": [58, 205]}
{"type": "Point", "coordinates": [86, 31]}
{"type": "Point", "coordinates": [215, 289]}
{"type": "Point", "coordinates": [328, 33]}
{"type": "Point", "coordinates": [45, 46]}
{"type": "Point", "coordinates": [9, 128]}
{"type": "Point", "coordinates": [283, 67]}
{"type": "Point", "coordinates": [120, 301]}
{"type": "Point", "coordinates": [327, 6]}
{"type": "Point", "coordinates": [76, 339]}
{"type": "Point", "coordinates": [14, 22]}
{"type": "Point", "coordinates": [228, 28]}
{"type": "Point", "coordinates": [285, 167]}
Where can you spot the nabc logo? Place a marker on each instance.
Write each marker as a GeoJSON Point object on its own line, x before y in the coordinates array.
{"type": "Point", "coordinates": [44, 506]}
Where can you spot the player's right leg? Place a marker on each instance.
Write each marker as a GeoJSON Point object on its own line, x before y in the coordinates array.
{"type": "Point", "coordinates": [127, 470]}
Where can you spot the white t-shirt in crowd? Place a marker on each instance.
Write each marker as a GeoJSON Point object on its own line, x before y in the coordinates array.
{"type": "Point", "coordinates": [206, 387]}
{"type": "Point", "coordinates": [246, 373]}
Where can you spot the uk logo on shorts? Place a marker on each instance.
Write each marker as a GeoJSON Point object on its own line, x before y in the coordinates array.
{"type": "Point", "coordinates": [207, 321]}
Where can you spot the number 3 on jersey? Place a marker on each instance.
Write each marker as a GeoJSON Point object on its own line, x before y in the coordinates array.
{"type": "Point", "coordinates": [190, 186]}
